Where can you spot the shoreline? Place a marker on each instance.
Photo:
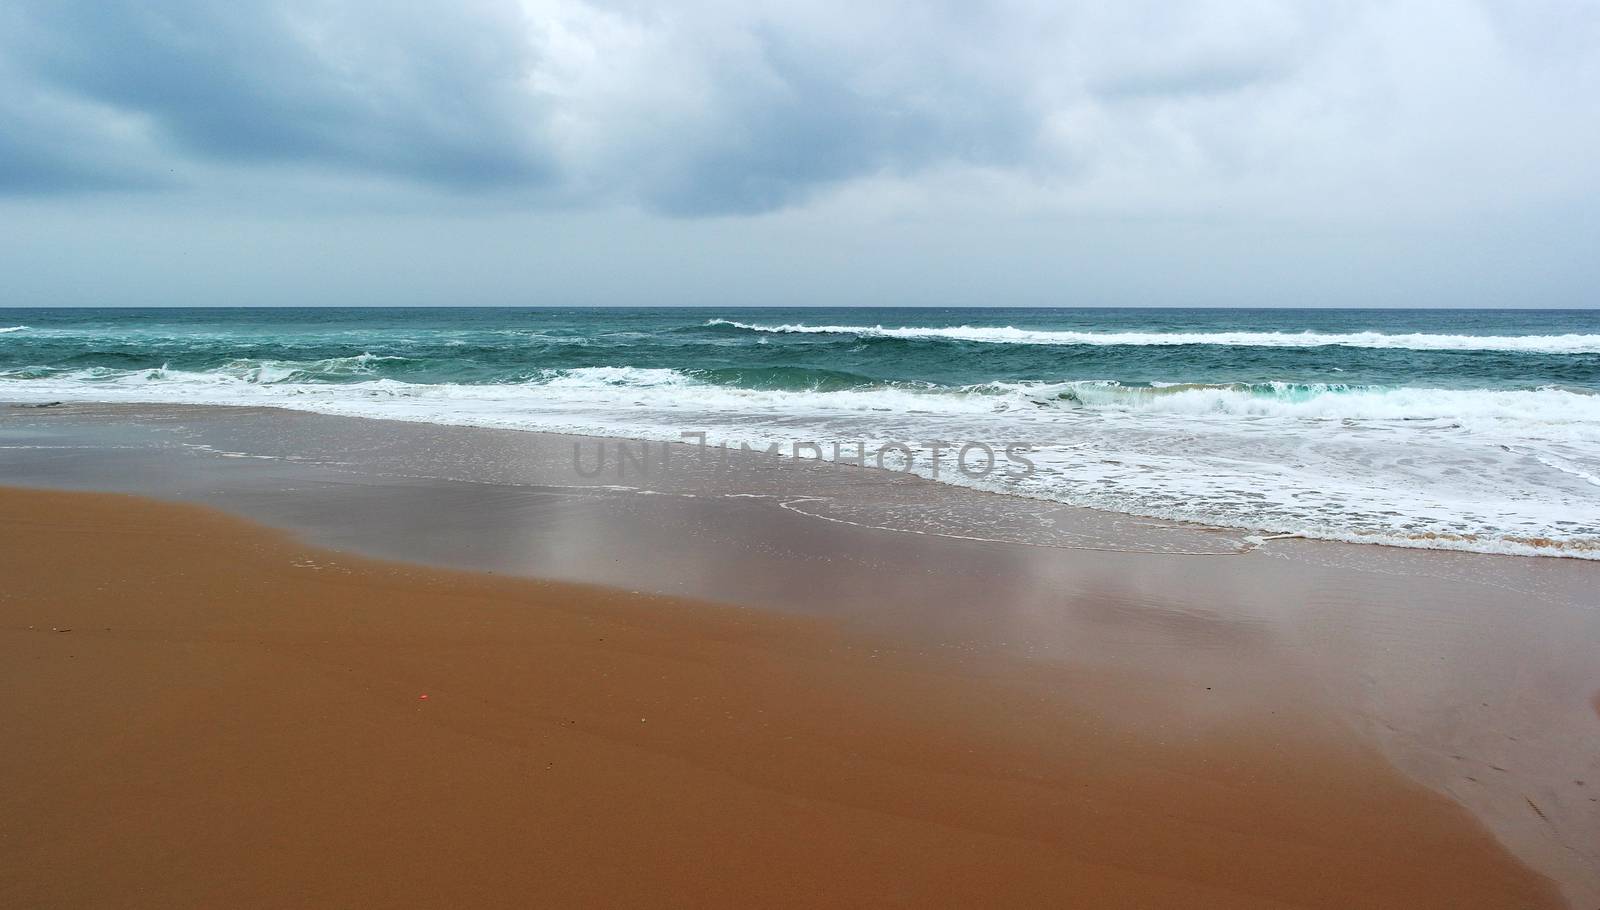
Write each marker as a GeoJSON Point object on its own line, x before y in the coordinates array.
{"type": "Point", "coordinates": [1467, 672]}
{"type": "Point", "coordinates": [1253, 532]}
{"type": "Point", "coordinates": [236, 717]}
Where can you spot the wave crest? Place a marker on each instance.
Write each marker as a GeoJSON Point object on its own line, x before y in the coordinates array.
{"type": "Point", "coordinates": [1527, 344]}
{"type": "Point", "coordinates": [803, 392]}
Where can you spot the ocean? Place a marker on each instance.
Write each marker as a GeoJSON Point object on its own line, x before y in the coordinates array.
{"type": "Point", "coordinates": [1473, 430]}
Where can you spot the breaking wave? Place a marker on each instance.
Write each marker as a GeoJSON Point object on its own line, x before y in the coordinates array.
{"type": "Point", "coordinates": [1530, 344]}
{"type": "Point", "coordinates": [802, 392]}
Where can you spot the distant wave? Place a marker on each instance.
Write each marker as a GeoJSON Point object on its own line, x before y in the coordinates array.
{"type": "Point", "coordinates": [288, 371]}
{"type": "Point", "coordinates": [1532, 344]}
{"type": "Point", "coordinates": [806, 393]}
{"type": "Point", "coordinates": [14, 328]}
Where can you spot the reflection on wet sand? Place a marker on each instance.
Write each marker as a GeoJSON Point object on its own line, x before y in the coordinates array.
{"type": "Point", "coordinates": [1476, 675]}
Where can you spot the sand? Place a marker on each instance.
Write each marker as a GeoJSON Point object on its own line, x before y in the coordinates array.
{"type": "Point", "coordinates": [203, 712]}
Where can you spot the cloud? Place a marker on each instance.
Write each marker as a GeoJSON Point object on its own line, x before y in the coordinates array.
{"type": "Point", "coordinates": [50, 146]}
{"type": "Point", "coordinates": [347, 86]}
{"type": "Point", "coordinates": [698, 108]}
{"type": "Point", "coordinates": [771, 115]}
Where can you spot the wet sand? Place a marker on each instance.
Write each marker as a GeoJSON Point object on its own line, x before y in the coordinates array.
{"type": "Point", "coordinates": [204, 712]}
{"type": "Point", "coordinates": [1474, 677]}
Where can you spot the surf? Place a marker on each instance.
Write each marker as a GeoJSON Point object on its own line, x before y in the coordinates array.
{"type": "Point", "coordinates": [1416, 341]}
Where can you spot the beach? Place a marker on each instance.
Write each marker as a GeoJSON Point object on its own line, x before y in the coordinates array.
{"type": "Point", "coordinates": [208, 713]}
{"type": "Point", "coordinates": [573, 454]}
{"type": "Point", "coordinates": [720, 689]}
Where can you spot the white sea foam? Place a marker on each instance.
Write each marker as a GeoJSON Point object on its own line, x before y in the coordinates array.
{"type": "Point", "coordinates": [1505, 471]}
{"type": "Point", "coordinates": [1532, 344]}
{"type": "Point", "coordinates": [14, 328]}
{"type": "Point", "coordinates": [278, 371]}
{"type": "Point", "coordinates": [668, 388]}
{"type": "Point", "coordinates": [1549, 407]}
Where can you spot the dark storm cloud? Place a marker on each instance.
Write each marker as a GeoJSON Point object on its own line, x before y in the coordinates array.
{"type": "Point", "coordinates": [808, 125]}
{"type": "Point", "coordinates": [1262, 152]}
{"type": "Point", "coordinates": [451, 100]}
{"type": "Point", "coordinates": [701, 107]}
{"type": "Point", "coordinates": [242, 82]}
{"type": "Point", "coordinates": [43, 153]}
{"type": "Point", "coordinates": [32, 170]}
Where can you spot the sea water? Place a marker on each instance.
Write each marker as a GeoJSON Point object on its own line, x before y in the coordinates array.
{"type": "Point", "coordinates": [1476, 430]}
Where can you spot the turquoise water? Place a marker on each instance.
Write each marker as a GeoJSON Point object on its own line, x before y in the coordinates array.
{"type": "Point", "coordinates": [1463, 349]}
{"type": "Point", "coordinates": [1464, 429]}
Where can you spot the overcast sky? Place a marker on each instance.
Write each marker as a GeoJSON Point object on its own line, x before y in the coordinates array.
{"type": "Point", "coordinates": [556, 152]}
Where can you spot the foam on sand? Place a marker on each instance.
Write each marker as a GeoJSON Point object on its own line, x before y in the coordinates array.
{"type": "Point", "coordinates": [1489, 470]}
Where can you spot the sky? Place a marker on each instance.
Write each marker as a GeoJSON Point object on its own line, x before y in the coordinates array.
{"type": "Point", "coordinates": [941, 153]}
